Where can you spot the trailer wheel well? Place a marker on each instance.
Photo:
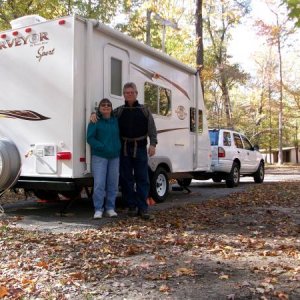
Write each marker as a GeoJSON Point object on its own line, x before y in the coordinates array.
{"type": "Point", "coordinates": [161, 165]}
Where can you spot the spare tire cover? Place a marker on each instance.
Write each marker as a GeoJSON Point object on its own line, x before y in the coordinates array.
{"type": "Point", "coordinates": [10, 163]}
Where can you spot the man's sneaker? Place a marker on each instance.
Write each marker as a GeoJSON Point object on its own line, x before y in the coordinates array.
{"type": "Point", "coordinates": [111, 213]}
{"type": "Point", "coordinates": [98, 214]}
{"type": "Point", "coordinates": [145, 215]}
{"type": "Point", "coordinates": [132, 212]}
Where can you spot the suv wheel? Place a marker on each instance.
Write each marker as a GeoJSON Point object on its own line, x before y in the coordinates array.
{"type": "Point", "coordinates": [259, 175]}
{"type": "Point", "coordinates": [234, 176]}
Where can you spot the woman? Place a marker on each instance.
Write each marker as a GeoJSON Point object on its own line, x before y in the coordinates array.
{"type": "Point", "coordinates": [103, 137]}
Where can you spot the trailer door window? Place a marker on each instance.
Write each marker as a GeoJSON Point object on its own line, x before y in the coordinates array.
{"type": "Point", "coordinates": [158, 99]}
{"type": "Point", "coordinates": [193, 124]}
{"type": "Point", "coordinates": [116, 77]}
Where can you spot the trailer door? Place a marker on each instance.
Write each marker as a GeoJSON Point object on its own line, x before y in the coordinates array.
{"type": "Point", "coordinates": [116, 72]}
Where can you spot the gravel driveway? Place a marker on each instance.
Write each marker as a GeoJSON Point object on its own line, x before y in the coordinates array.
{"type": "Point", "coordinates": [33, 215]}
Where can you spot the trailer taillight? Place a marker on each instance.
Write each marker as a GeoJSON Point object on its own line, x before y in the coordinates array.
{"type": "Point", "coordinates": [64, 155]}
{"type": "Point", "coordinates": [62, 22]}
{"type": "Point", "coordinates": [221, 152]}
{"type": "Point", "coordinates": [3, 36]}
{"type": "Point", "coordinates": [15, 33]}
{"type": "Point", "coordinates": [28, 30]}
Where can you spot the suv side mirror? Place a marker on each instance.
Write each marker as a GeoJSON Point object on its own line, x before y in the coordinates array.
{"type": "Point", "coordinates": [256, 148]}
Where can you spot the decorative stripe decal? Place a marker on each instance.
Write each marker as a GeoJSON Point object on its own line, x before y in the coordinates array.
{"type": "Point", "coordinates": [153, 75]}
{"type": "Point", "coordinates": [27, 115]}
{"type": "Point", "coordinates": [173, 129]}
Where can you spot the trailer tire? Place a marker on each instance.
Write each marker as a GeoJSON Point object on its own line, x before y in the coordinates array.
{"type": "Point", "coordinates": [10, 163]}
{"type": "Point", "coordinates": [159, 185]}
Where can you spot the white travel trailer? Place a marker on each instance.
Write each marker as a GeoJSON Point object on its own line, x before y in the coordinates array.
{"type": "Point", "coordinates": [53, 73]}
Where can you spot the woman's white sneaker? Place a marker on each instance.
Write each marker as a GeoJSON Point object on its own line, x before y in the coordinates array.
{"type": "Point", "coordinates": [111, 213]}
{"type": "Point", "coordinates": [98, 214]}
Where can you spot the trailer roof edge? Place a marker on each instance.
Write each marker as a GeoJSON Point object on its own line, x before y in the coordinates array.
{"type": "Point", "coordinates": [134, 43]}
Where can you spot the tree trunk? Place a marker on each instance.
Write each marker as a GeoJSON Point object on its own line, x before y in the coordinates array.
{"type": "Point", "coordinates": [148, 27]}
{"type": "Point", "coordinates": [270, 122]}
{"type": "Point", "coordinates": [280, 117]}
{"type": "Point", "coordinates": [199, 36]}
{"type": "Point", "coordinates": [226, 101]}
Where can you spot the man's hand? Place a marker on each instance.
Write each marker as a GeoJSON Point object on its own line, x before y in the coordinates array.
{"type": "Point", "coordinates": [151, 150]}
{"type": "Point", "coordinates": [93, 117]}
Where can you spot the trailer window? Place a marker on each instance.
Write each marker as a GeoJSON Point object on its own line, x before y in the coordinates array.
{"type": "Point", "coordinates": [193, 125]}
{"type": "Point", "coordinates": [116, 77]}
{"type": "Point", "coordinates": [158, 99]}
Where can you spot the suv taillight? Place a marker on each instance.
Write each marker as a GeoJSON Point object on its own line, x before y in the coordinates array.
{"type": "Point", "coordinates": [221, 152]}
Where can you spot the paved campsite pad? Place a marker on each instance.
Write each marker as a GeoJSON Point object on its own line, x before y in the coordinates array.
{"type": "Point", "coordinates": [242, 246]}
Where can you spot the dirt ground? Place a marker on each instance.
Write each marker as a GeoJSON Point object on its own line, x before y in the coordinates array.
{"type": "Point", "coordinates": [243, 245]}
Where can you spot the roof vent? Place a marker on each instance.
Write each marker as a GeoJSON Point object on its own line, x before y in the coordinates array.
{"type": "Point", "coordinates": [26, 21]}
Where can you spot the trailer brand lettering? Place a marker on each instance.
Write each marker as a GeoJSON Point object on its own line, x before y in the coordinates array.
{"type": "Point", "coordinates": [42, 53]}
{"type": "Point", "coordinates": [33, 39]}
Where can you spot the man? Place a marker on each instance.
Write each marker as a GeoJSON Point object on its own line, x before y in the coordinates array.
{"type": "Point", "coordinates": [136, 123]}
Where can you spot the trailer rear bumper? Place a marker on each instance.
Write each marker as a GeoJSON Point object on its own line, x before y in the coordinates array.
{"type": "Point", "coordinates": [60, 185]}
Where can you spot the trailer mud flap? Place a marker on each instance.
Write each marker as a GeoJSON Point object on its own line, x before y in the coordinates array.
{"type": "Point", "coordinates": [10, 164]}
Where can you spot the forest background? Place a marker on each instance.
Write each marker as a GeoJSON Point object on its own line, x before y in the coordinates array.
{"type": "Point", "coordinates": [260, 97]}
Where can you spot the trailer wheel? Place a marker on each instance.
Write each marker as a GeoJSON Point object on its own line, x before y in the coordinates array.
{"type": "Point", "coordinates": [184, 181]}
{"type": "Point", "coordinates": [159, 185]}
{"type": "Point", "coordinates": [10, 164]}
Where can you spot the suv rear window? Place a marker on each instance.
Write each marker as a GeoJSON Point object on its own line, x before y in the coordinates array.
{"type": "Point", "coordinates": [214, 137]}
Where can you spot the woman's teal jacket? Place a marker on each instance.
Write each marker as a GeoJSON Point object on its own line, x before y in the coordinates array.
{"type": "Point", "coordinates": [104, 137]}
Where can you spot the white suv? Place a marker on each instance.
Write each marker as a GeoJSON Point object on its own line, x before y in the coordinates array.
{"type": "Point", "coordinates": [232, 156]}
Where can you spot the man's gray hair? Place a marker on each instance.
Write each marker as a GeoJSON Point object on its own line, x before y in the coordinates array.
{"type": "Point", "coordinates": [129, 85]}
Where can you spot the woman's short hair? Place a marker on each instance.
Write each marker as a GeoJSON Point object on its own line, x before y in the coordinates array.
{"type": "Point", "coordinates": [104, 101]}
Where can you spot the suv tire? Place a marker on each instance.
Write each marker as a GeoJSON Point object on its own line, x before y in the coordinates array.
{"type": "Point", "coordinates": [259, 175]}
{"type": "Point", "coordinates": [233, 178]}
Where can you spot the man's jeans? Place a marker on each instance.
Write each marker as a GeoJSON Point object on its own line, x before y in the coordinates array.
{"type": "Point", "coordinates": [106, 180]}
{"type": "Point", "coordinates": [134, 177]}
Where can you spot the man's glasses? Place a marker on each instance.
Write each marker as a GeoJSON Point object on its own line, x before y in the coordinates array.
{"type": "Point", "coordinates": [129, 93]}
{"type": "Point", "coordinates": [105, 105]}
